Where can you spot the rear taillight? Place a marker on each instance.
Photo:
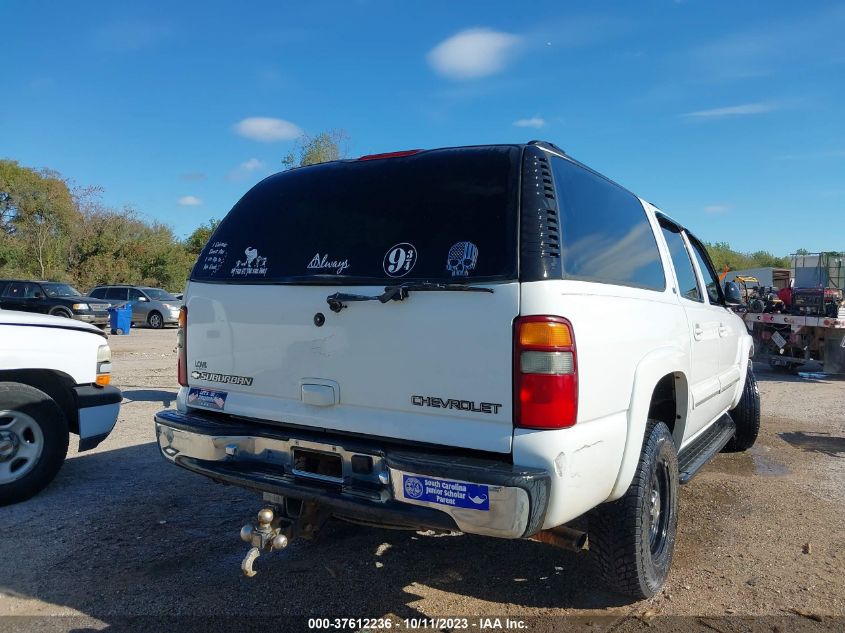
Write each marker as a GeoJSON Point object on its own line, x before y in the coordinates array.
{"type": "Point", "coordinates": [182, 347]}
{"type": "Point", "coordinates": [545, 373]}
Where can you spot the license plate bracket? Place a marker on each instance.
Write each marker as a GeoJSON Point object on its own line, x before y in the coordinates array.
{"type": "Point", "coordinates": [317, 465]}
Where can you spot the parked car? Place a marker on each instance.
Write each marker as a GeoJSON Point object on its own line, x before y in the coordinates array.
{"type": "Point", "coordinates": [150, 306]}
{"type": "Point", "coordinates": [54, 380]}
{"type": "Point", "coordinates": [54, 298]}
{"type": "Point", "coordinates": [496, 340]}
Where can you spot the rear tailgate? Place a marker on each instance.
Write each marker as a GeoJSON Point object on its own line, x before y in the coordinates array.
{"type": "Point", "coordinates": [435, 367]}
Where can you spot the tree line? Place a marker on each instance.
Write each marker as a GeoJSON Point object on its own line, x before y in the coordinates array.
{"type": "Point", "coordinates": [724, 256]}
{"type": "Point", "coordinates": [52, 230]}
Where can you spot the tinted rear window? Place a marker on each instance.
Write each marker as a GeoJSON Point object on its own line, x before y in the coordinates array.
{"type": "Point", "coordinates": [447, 215]}
{"type": "Point", "coordinates": [605, 234]}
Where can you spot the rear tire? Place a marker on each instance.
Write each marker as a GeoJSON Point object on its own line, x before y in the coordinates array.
{"type": "Point", "coordinates": [633, 538]}
{"type": "Point", "coordinates": [33, 441]}
{"type": "Point", "coordinates": [746, 416]}
{"type": "Point", "coordinates": [155, 320]}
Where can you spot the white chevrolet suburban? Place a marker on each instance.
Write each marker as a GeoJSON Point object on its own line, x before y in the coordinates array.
{"type": "Point", "coordinates": [496, 340]}
{"type": "Point", "coordinates": [54, 380]}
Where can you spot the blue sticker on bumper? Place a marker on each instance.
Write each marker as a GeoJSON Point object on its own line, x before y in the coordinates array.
{"type": "Point", "coordinates": [457, 494]}
{"type": "Point", "coordinates": [207, 398]}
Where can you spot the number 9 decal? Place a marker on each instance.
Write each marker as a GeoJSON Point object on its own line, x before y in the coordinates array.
{"type": "Point", "coordinates": [400, 259]}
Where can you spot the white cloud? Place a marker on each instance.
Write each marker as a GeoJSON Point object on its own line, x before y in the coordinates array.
{"type": "Point", "coordinates": [473, 53]}
{"type": "Point", "coordinates": [189, 201]}
{"type": "Point", "coordinates": [716, 209]}
{"type": "Point", "coordinates": [732, 111]}
{"type": "Point", "coordinates": [246, 168]}
{"type": "Point", "coordinates": [251, 165]}
{"type": "Point", "coordinates": [267, 129]}
{"type": "Point", "coordinates": [535, 122]}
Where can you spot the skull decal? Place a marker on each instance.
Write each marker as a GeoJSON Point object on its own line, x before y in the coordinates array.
{"type": "Point", "coordinates": [462, 259]}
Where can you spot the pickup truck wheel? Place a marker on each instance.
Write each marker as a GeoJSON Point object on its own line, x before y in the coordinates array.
{"type": "Point", "coordinates": [155, 320]}
{"type": "Point", "coordinates": [61, 312]}
{"type": "Point", "coordinates": [33, 441]}
{"type": "Point", "coordinates": [633, 538]}
{"type": "Point", "coordinates": [746, 416]}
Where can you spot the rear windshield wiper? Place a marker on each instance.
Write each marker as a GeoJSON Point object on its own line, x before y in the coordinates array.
{"type": "Point", "coordinates": [399, 292]}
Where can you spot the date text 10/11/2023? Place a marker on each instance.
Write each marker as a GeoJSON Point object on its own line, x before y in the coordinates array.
{"type": "Point", "coordinates": [434, 624]}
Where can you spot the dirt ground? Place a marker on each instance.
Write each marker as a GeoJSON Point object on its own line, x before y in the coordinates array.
{"type": "Point", "coordinates": [122, 533]}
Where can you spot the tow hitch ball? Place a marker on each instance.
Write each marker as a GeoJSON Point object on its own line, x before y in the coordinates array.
{"type": "Point", "coordinates": [265, 534]}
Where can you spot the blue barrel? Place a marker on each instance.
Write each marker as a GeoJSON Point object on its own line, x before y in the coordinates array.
{"type": "Point", "coordinates": [120, 319]}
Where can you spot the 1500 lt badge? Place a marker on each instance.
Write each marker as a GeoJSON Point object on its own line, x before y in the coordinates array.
{"type": "Point", "coordinates": [451, 403]}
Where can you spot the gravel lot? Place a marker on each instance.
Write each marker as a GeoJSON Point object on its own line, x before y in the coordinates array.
{"type": "Point", "coordinates": [122, 533]}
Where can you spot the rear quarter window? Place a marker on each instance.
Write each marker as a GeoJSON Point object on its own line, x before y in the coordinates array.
{"type": "Point", "coordinates": [605, 234]}
{"type": "Point", "coordinates": [442, 215]}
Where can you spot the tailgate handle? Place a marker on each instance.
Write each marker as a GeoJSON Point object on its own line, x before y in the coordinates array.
{"type": "Point", "coordinates": [319, 395]}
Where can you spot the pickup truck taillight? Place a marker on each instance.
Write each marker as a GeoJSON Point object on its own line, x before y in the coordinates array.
{"type": "Point", "coordinates": [545, 373]}
{"type": "Point", "coordinates": [182, 347]}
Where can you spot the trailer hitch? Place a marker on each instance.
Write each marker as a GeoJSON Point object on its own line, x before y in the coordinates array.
{"type": "Point", "coordinates": [273, 531]}
{"type": "Point", "coordinates": [266, 534]}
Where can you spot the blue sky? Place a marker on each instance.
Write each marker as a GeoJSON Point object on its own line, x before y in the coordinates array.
{"type": "Point", "coordinates": [729, 116]}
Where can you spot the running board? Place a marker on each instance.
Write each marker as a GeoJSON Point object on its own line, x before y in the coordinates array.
{"type": "Point", "coordinates": [705, 447]}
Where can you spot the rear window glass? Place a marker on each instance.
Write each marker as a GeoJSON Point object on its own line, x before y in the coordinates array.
{"type": "Point", "coordinates": [158, 294]}
{"type": "Point", "coordinates": [605, 234]}
{"type": "Point", "coordinates": [444, 215]}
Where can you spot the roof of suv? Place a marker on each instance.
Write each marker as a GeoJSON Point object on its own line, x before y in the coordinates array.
{"type": "Point", "coordinates": [546, 145]}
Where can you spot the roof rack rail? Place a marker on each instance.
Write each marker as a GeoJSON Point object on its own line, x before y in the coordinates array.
{"type": "Point", "coordinates": [547, 144]}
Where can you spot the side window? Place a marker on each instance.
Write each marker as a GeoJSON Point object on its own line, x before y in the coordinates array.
{"type": "Point", "coordinates": [135, 294]}
{"type": "Point", "coordinates": [16, 290]}
{"type": "Point", "coordinates": [711, 279]}
{"type": "Point", "coordinates": [117, 294]}
{"type": "Point", "coordinates": [32, 291]}
{"type": "Point", "coordinates": [605, 234]}
{"type": "Point", "coordinates": [98, 293]}
{"type": "Point", "coordinates": [681, 262]}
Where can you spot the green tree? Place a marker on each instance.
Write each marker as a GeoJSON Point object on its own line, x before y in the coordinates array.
{"type": "Point", "coordinates": [197, 240]}
{"type": "Point", "coordinates": [322, 148]}
{"type": "Point", "coordinates": [49, 231]}
{"type": "Point", "coordinates": [723, 255]}
{"type": "Point", "coordinates": [39, 212]}
{"type": "Point", "coordinates": [119, 247]}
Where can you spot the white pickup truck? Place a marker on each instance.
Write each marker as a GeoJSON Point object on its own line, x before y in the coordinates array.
{"type": "Point", "coordinates": [54, 380]}
{"type": "Point", "coordinates": [495, 340]}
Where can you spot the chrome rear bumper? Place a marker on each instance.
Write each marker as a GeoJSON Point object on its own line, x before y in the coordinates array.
{"type": "Point", "coordinates": [376, 482]}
